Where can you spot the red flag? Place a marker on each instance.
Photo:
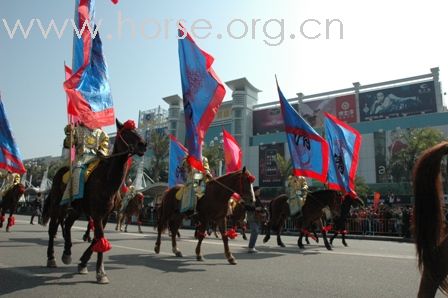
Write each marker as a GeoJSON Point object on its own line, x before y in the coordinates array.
{"type": "Point", "coordinates": [232, 153]}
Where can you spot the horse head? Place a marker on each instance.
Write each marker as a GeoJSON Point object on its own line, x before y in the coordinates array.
{"type": "Point", "coordinates": [246, 186]}
{"type": "Point", "coordinates": [128, 139]}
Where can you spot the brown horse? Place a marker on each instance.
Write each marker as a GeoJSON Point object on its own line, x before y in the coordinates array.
{"type": "Point", "coordinates": [237, 219]}
{"type": "Point", "coordinates": [9, 202]}
{"type": "Point", "coordinates": [211, 208]}
{"type": "Point", "coordinates": [98, 202]}
{"type": "Point", "coordinates": [312, 211]}
{"type": "Point", "coordinates": [134, 208]}
{"type": "Point", "coordinates": [430, 229]}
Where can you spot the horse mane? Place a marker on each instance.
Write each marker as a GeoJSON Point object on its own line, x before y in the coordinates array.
{"type": "Point", "coordinates": [428, 219]}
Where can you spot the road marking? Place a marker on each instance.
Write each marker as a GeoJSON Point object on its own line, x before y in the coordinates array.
{"type": "Point", "coordinates": [217, 242]}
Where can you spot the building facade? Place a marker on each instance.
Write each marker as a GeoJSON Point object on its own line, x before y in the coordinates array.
{"type": "Point", "coordinates": [378, 111]}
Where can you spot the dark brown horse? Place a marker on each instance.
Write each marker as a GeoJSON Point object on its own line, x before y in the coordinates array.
{"type": "Point", "coordinates": [9, 203]}
{"type": "Point", "coordinates": [211, 208]}
{"type": "Point", "coordinates": [134, 208]}
{"type": "Point", "coordinates": [312, 211]}
{"type": "Point", "coordinates": [430, 229]}
{"type": "Point", "coordinates": [237, 219]}
{"type": "Point", "coordinates": [98, 202]}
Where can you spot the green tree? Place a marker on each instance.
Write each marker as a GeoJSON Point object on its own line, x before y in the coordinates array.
{"type": "Point", "coordinates": [361, 188]}
{"type": "Point", "coordinates": [214, 155]}
{"type": "Point", "coordinates": [284, 166]}
{"type": "Point", "coordinates": [417, 140]}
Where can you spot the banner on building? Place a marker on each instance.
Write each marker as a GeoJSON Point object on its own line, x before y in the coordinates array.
{"type": "Point", "coordinates": [269, 173]}
{"type": "Point", "coordinates": [268, 121]}
{"type": "Point", "coordinates": [343, 107]}
{"type": "Point", "coordinates": [398, 101]}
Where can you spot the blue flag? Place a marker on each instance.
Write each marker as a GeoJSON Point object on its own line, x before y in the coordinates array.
{"type": "Point", "coordinates": [88, 90]}
{"type": "Point", "coordinates": [344, 143]}
{"type": "Point", "coordinates": [178, 153]}
{"type": "Point", "coordinates": [309, 151]}
{"type": "Point", "coordinates": [10, 157]}
{"type": "Point", "coordinates": [203, 93]}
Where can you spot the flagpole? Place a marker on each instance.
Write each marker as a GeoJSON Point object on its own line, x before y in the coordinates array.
{"type": "Point", "coordinates": [70, 154]}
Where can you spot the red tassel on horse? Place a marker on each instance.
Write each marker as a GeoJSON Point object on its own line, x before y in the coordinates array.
{"type": "Point", "coordinates": [231, 233]}
{"type": "Point", "coordinates": [11, 221]}
{"type": "Point", "coordinates": [101, 245]}
{"type": "Point", "coordinates": [327, 229]}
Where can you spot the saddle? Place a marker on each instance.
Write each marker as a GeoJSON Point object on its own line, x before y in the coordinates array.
{"type": "Point", "coordinates": [90, 168]}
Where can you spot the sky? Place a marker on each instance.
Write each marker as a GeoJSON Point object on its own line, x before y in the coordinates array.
{"type": "Point", "coordinates": [379, 41]}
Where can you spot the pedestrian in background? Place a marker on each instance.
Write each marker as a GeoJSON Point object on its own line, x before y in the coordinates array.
{"type": "Point", "coordinates": [254, 209]}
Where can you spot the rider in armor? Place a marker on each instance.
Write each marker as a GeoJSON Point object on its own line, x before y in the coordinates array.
{"type": "Point", "coordinates": [196, 180]}
{"type": "Point", "coordinates": [12, 179]}
{"type": "Point", "coordinates": [90, 144]}
{"type": "Point", "coordinates": [296, 192]}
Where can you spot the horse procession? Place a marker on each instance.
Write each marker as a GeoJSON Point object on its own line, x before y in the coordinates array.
{"type": "Point", "coordinates": [93, 181]}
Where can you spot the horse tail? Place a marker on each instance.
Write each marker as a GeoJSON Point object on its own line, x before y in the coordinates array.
{"type": "Point", "coordinates": [54, 196]}
{"type": "Point", "coordinates": [428, 219]}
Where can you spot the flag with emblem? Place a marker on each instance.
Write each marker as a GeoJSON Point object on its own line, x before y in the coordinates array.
{"type": "Point", "coordinates": [10, 157]}
{"type": "Point", "coordinates": [87, 88]}
{"type": "Point", "coordinates": [202, 91]}
{"type": "Point", "coordinates": [344, 142]}
{"type": "Point", "coordinates": [309, 151]}
{"type": "Point", "coordinates": [176, 173]}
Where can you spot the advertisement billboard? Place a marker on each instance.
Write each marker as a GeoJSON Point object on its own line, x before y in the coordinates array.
{"type": "Point", "coordinates": [398, 101]}
{"type": "Point", "coordinates": [343, 107]}
{"type": "Point", "coordinates": [269, 173]}
{"type": "Point", "coordinates": [268, 121]}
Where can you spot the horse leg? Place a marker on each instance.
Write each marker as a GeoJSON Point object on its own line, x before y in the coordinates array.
{"type": "Point", "coordinates": [86, 236]}
{"type": "Point", "coordinates": [334, 236]}
{"type": "Point", "coordinates": [10, 221]}
{"type": "Point", "coordinates": [225, 239]}
{"type": "Point", "coordinates": [299, 241]}
{"type": "Point", "coordinates": [343, 240]}
{"type": "Point", "coordinates": [52, 229]}
{"type": "Point", "coordinates": [71, 218]}
{"type": "Point", "coordinates": [324, 236]}
{"type": "Point", "coordinates": [200, 233]}
{"type": "Point", "coordinates": [2, 218]}
{"type": "Point", "coordinates": [127, 219]}
{"type": "Point", "coordinates": [243, 231]}
{"type": "Point", "coordinates": [279, 239]}
{"type": "Point", "coordinates": [159, 240]}
{"type": "Point", "coordinates": [174, 227]}
{"type": "Point", "coordinates": [268, 232]}
{"type": "Point", "coordinates": [118, 221]}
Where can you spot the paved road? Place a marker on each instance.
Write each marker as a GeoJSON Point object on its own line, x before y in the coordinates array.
{"type": "Point", "coordinates": [364, 269]}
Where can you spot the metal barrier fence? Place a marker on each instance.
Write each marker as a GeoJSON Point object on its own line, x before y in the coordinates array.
{"type": "Point", "coordinates": [364, 226]}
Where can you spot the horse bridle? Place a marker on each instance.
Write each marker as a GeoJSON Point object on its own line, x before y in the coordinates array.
{"type": "Point", "coordinates": [240, 193]}
{"type": "Point", "coordinates": [130, 148]}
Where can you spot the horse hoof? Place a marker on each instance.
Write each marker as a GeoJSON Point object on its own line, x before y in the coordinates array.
{"type": "Point", "coordinates": [232, 261]}
{"type": "Point", "coordinates": [200, 258]}
{"type": "Point", "coordinates": [266, 239]}
{"type": "Point", "coordinates": [140, 232]}
{"type": "Point", "coordinates": [82, 269]}
{"type": "Point", "coordinates": [281, 245]}
{"type": "Point", "coordinates": [66, 259]}
{"type": "Point", "coordinates": [51, 263]}
{"type": "Point", "coordinates": [245, 238]}
{"type": "Point", "coordinates": [156, 249]}
{"type": "Point", "coordinates": [102, 279]}
{"type": "Point", "coordinates": [178, 254]}
{"type": "Point", "coordinates": [329, 247]}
